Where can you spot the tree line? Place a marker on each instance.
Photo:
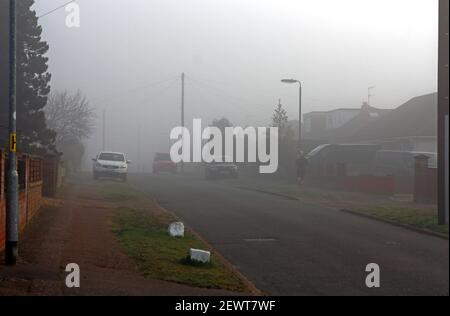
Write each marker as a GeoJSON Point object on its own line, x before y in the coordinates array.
{"type": "Point", "coordinates": [48, 121]}
{"type": "Point", "coordinates": [287, 145]}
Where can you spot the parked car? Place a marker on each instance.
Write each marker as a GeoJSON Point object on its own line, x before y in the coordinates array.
{"type": "Point", "coordinates": [163, 163]}
{"type": "Point", "coordinates": [219, 169]}
{"type": "Point", "coordinates": [399, 163]}
{"type": "Point", "coordinates": [348, 159]}
{"type": "Point", "coordinates": [111, 165]}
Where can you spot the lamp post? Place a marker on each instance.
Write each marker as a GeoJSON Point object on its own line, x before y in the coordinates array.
{"type": "Point", "coordinates": [183, 81]}
{"type": "Point", "coordinates": [291, 81]}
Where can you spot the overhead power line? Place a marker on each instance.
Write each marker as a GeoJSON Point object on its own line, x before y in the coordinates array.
{"type": "Point", "coordinates": [153, 96]}
{"type": "Point", "coordinates": [56, 9]}
{"type": "Point", "coordinates": [108, 97]}
{"type": "Point", "coordinates": [223, 94]}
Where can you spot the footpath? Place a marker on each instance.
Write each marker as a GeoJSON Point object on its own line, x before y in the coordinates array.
{"type": "Point", "coordinates": [77, 229]}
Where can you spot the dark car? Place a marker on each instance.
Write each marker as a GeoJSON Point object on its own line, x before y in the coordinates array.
{"type": "Point", "coordinates": [345, 159]}
{"type": "Point", "coordinates": [400, 163]}
{"type": "Point", "coordinates": [163, 163]}
{"type": "Point", "coordinates": [220, 169]}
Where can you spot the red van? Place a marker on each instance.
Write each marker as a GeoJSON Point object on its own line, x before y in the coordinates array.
{"type": "Point", "coordinates": [163, 163]}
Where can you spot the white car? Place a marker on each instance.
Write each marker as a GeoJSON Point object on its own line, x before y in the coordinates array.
{"type": "Point", "coordinates": [111, 165]}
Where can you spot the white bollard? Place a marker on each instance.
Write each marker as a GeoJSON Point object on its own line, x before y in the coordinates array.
{"type": "Point", "coordinates": [200, 255]}
{"type": "Point", "coordinates": [176, 229]}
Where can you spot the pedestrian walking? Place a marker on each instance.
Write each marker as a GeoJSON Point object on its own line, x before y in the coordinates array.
{"type": "Point", "coordinates": [301, 163]}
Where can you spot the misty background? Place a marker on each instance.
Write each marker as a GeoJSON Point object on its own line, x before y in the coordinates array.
{"type": "Point", "coordinates": [127, 58]}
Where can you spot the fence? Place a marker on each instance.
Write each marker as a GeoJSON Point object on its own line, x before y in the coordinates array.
{"type": "Point", "coordinates": [31, 173]}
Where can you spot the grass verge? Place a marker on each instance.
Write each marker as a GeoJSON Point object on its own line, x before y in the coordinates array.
{"type": "Point", "coordinates": [421, 218]}
{"type": "Point", "coordinates": [119, 192]}
{"type": "Point", "coordinates": [143, 236]}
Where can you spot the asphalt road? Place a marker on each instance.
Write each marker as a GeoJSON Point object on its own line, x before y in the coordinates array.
{"type": "Point", "coordinates": [288, 247]}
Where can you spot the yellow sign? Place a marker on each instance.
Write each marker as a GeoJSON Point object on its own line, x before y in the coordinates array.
{"type": "Point", "coordinates": [13, 142]}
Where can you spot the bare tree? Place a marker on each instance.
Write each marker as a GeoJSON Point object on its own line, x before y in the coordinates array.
{"type": "Point", "coordinates": [70, 116]}
{"type": "Point", "coordinates": [72, 119]}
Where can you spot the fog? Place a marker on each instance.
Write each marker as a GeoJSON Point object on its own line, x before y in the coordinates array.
{"type": "Point", "coordinates": [128, 56]}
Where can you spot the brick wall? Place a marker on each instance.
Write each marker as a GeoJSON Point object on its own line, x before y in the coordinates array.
{"type": "Point", "coordinates": [30, 196]}
{"type": "Point", "coordinates": [426, 181]}
{"type": "Point", "coordinates": [2, 200]}
{"type": "Point", "coordinates": [364, 183]}
{"type": "Point", "coordinates": [426, 186]}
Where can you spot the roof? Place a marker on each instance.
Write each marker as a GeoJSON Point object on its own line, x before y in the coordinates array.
{"type": "Point", "coordinates": [335, 110]}
{"type": "Point", "coordinates": [417, 117]}
{"type": "Point", "coordinates": [347, 131]}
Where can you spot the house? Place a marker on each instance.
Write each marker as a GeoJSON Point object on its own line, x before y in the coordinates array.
{"type": "Point", "coordinates": [323, 125]}
{"type": "Point", "coordinates": [317, 122]}
{"type": "Point", "coordinates": [365, 117]}
{"type": "Point", "coordinates": [411, 127]}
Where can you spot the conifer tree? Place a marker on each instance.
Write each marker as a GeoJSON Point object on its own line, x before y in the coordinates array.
{"type": "Point", "coordinates": [33, 81]}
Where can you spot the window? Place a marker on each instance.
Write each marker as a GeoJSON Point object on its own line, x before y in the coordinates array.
{"type": "Point", "coordinates": [111, 157]}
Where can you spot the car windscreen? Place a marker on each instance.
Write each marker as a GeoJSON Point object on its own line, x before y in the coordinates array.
{"type": "Point", "coordinates": [111, 157]}
{"type": "Point", "coordinates": [352, 153]}
{"type": "Point", "coordinates": [315, 151]}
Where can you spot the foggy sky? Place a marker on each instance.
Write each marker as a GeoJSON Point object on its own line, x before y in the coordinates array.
{"type": "Point", "coordinates": [234, 54]}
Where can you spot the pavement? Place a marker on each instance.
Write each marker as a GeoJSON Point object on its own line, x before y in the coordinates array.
{"type": "Point", "coordinates": [292, 247]}
{"type": "Point", "coordinates": [78, 231]}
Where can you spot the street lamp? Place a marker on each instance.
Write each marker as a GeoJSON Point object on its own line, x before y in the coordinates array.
{"type": "Point", "coordinates": [291, 81]}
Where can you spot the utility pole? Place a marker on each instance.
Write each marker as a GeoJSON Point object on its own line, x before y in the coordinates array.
{"type": "Point", "coordinates": [104, 130]}
{"type": "Point", "coordinates": [300, 116]}
{"type": "Point", "coordinates": [182, 113]}
{"type": "Point", "coordinates": [139, 166]}
{"type": "Point", "coordinates": [12, 201]}
{"type": "Point", "coordinates": [443, 115]}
